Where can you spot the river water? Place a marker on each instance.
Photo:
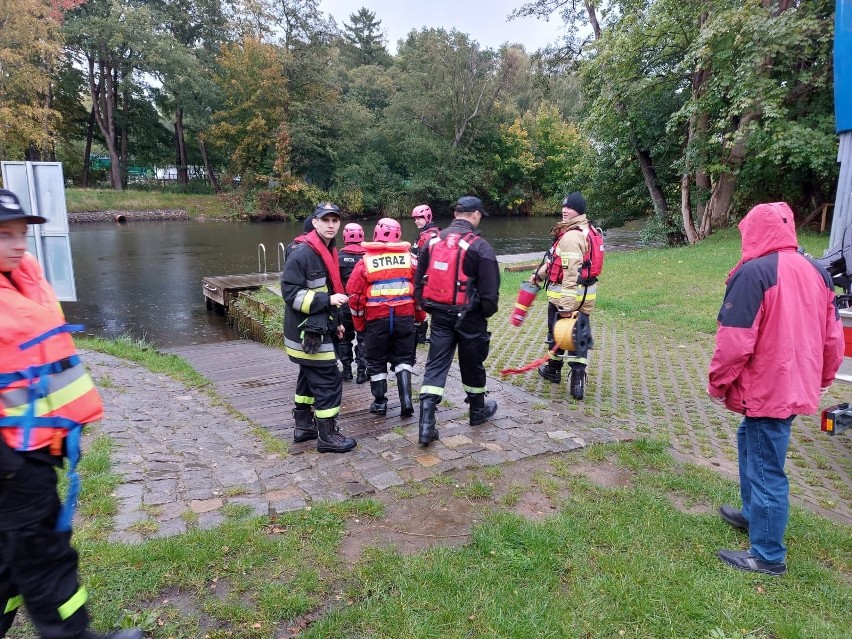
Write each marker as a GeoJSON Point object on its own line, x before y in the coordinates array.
{"type": "Point", "coordinates": [144, 278]}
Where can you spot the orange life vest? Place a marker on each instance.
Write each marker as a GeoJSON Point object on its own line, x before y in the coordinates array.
{"type": "Point", "coordinates": [389, 274]}
{"type": "Point", "coordinates": [45, 391]}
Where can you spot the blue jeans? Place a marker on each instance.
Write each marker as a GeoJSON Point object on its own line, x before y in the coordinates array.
{"type": "Point", "coordinates": [762, 448]}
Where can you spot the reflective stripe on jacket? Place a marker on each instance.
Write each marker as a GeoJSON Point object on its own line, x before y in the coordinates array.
{"type": "Point", "coordinates": [46, 379]}
{"type": "Point", "coordinates": [382, 283]}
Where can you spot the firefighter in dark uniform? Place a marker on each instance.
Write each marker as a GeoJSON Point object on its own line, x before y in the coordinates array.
{"type": "Point", "coordinates": [46, 397]}
{"type": "Point", "coordinates": [351, 253]}
{"type": "Point", "coordinates": [381, 294]}
{"type": "Point", "coordinates": [313, 294]}
{"type": "Point", "coordinates": [458, 283]}
{"type": "Point", "coordinates": [422, 216]}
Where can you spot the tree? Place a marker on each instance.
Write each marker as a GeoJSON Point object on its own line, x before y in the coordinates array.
{"type": "Point", "coordinates": [29, 52]}
{"type": "Point", "coordinates": [248, 124]}
{"type": "Point", "coordinates": [364, 41]}
{"type": "Point", "coordinates": [115, 40]}
{"type": "Point", "coordinates": [449, 82]}
{"type": "Point", "coordinates": [198, 27]}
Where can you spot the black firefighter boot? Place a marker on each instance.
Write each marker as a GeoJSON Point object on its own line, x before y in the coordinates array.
{"type": "Point", "coordinates": [330, 440]}
{"type": "Point", "coordinates": [361, 375]}
{"type": "Point", "coordinates": [306, 428]}
{"type": "Point", "coordinates": [379, 387]}
{"type": "Point", "coordinates": [346, 373]}
{"type": "Point", "coordinates": [403, 384]}
{"type": "Point", "coordinates": [552, 371]}
{"type": "Point", "coordinates": [480, 410]}
{"type": "Point", "coordinates": [428, 432]}
{"type": "Point", "coordinates": [578, 382]}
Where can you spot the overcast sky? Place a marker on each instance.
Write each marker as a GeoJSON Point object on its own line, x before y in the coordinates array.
{"type": "Point", "coordinates": [484, 20]}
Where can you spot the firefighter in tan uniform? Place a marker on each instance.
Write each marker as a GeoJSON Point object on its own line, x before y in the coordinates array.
{"type": "Point", "coordinates": [568, 292]}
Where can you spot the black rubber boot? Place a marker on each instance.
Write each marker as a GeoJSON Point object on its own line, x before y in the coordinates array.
{"type": "Point", "coordinates": [403, 383]}
{"type": "Point", "coordinates": [361, 375]}
{"type": "Point", "coordinates": [480, 410]}
{"type": "Point", "coordinates": [132, 633]}
{"type": "Point", "coordinates": [306, 428]}
{"type": "Point", "coordinates": [346, 373]}
{"type": "Point", "coordinates": [428, 432]}
{"type": "Point", "coordinates": [552, 371]}
{"type": "Point", "coordinates": [330, 440]}
{"type": "Point", "coordinates": [578, 383]}
{"type": "Point", "coordinates": [379, 388]}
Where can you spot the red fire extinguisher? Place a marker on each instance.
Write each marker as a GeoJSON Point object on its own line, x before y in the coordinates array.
{"type": "Point", "coordinates": [526, 297]}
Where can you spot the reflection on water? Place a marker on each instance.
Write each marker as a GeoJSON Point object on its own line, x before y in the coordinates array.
{"type": "Point", "coordinates": [144, 278]}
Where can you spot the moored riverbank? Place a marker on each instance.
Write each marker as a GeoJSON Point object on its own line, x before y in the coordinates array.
{"type": "Point", "coordinates": [155, 215]}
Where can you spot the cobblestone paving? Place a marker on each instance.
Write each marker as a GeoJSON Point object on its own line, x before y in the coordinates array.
{"type": "Point", "coordinates": [654, 385]}
{"type": "Point", "coordinates": [186, 462]}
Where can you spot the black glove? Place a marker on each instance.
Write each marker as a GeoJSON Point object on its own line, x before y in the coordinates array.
{"type": "Point", "coordinates": [311, 342]}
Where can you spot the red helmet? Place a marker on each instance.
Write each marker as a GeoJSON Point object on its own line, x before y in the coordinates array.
{"type": "Point", "coordinates": [387, 230]}
{"type": "Point", "coordinates": [422, 211]}
{"type": "Point", "coordinates": [353, 233]}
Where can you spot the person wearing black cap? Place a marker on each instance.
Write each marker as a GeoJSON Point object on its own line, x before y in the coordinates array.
{"type": "Point", "coordinates": [567, 292]}
{"type": "Point", "coordinates": [313, 294]}
{"type": "Point", "coordinates": [46, 397]}
{"type": "Point", "coordinates": [458, 283]}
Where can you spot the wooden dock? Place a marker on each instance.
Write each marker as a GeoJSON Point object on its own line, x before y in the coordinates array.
{"type": "Point", "coordinates": [221, 289]}
{"type": "Point", "coordinates": [260, 381]}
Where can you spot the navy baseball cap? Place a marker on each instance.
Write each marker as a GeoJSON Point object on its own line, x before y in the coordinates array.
{"type": "Point", "coordinates": [469, 204]}
{"type": "Point", "coordinates": [10, 209]}
{"type": "Point", "coordinates": [326, 208]}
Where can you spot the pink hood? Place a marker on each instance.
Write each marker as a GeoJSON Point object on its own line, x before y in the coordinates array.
{"type": "Point", "coordinates": [765, 229]}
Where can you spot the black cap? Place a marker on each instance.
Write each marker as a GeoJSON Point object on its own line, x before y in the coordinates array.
{"type": "Point", "coordinates": [575, 201]}
{"type": "Point", "coordinates": [469, 204]}
{"type": "Point", "coordinates": [308, 226]}
{"type": "Point", "coordinates": [10, 209]}
{"type": "Point", "coordinates": [326, 208]}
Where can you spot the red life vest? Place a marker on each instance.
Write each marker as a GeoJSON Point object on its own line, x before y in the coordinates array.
{"type": "Point", "coordinates": [44, 389]}
{"type": "Point", "coordinates": [389, 274]}
{"type": "Point", "coordinates": [554, 262]}
{"type": "Point", "coordinates": [426, 236]}
{"type": "Point", "coordinates": [446, 283]}
{"type": "Point", "coordinates": [593, 258]}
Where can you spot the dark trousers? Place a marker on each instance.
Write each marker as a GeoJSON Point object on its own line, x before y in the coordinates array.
{"type": "Point", "coordinates": [346, 353]}
{"type": "Point", "coordinates": [472, 339]}
{"type": "Point", "coordinates": [320, 387]}
{"type": "Point", "coordinates": [578, 360]}
{"type": "Point", "coordinates": [38, 566]}
{"type": "Point", "coordinates": [385, 344]}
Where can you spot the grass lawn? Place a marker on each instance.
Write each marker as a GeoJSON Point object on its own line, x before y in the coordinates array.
{"type": "Point", "coordinates": [210, 206]}
{"type": "Point", "coordinates": [632, 561]}
{"type": "Point", "coordinates": [635, 560]}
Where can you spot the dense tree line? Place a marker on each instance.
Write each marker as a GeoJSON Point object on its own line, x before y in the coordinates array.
{"type": "Point", "coordinates": [687, 110]}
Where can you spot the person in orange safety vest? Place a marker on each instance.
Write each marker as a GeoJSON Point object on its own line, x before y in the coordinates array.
{"type": "Point", "coordinates": [46, 396]}
{"type": "Point", "coordinates": [381, 296]}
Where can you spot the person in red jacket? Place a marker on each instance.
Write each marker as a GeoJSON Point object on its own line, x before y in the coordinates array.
{"type": "Point", "coordinates": [426, 231]}
{"type": "Point", "coordinates": [349, 256]}
{"type": "Point", "coordinates": [381, 296]}
{"type": "Point", "coordinates": [46, 397]}
{"type": "Point", "coordinates": [778, 347]}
